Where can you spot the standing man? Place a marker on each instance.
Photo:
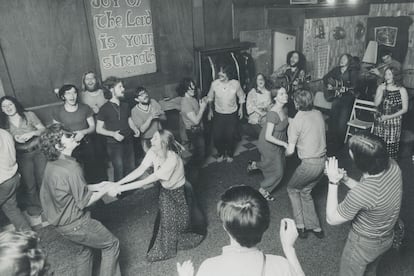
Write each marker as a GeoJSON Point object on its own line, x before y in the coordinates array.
{"type": "Point", "coordinates": [112, 122]}
{"type": "Point", "coordinates": [372, 204]}
{"type": "Point", "coordinates": [92, 93]}
{"type": "Point", "coordinates": [65, 196]}
{"type": "Point", "coordinates": [306, 133]}
{"type": "Point", "coordinates": [9, 182]}
{"type": "Point", "coordinates": [145, 117]}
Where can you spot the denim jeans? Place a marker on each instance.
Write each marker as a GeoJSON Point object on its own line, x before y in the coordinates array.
{"type": "Point", "coordinates": [8, 203]}
{"type": "Point", "coordinates": [362, 254]}
{"type": "Point", "coordinates": [91, 234]}
{"type": "Point", "coordinates": [122, 157]}
{"type": "Point", "coordinates": [339, 117]}
{"type": "Point", "coordinates": [300, 186]}
{"type": "Point", "coordinates": [31, 167]}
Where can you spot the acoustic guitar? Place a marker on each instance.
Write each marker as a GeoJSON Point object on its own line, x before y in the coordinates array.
{"type": "Point", "coordinates": [336, 90]}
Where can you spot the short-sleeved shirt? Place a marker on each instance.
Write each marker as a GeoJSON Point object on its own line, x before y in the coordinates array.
{"type": "Point", "coordinates": [64, 194]}
{"type": "Point", "coordinates": [73, 121]}
{"type": "Point", "coordinates": [225, 96]}
{"type": "Point", "coordinates": [94, 100]}
{"type": "Point", "coordinates": [307, 132]}
{"type": "Point", "coordinates": [242, 261]}
{"type": "Point", "coordinates": [374, 204]}
{"type": "Point", "coordinates": [170, 171]}
{"type": "Point", "coordinates": [115, 117]}
{"type": "Point", "coordinates": [8, 165]}
{"type": "Point", "coordinates": [188, 105]}
{"type": "Point", "coordinates": [139, 116]}
{"type": "Point", "coordinates": [26, 126]}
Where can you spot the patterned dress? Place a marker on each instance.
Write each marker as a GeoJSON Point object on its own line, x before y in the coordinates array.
{"type": "Point", "coordinates": [390, 130]}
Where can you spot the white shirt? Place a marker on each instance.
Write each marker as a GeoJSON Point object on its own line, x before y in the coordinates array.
{"type": "Point", "coordinates": [242, 261]}
{"type": "Point", "coordinates": [225, 95]}
{"type": "Point", "coordinates": [8, 165]}
{"type": "Point", "coordinates": [170, 171]}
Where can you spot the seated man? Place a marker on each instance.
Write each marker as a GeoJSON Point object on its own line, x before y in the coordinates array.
{"type": "Point", "coordinates": [65, 196]}
{"type": "Point", "coordinates": [245, 215]}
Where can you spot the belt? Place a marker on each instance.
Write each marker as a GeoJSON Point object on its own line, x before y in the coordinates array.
{"type": "Point", "coordinates": [28, 149]}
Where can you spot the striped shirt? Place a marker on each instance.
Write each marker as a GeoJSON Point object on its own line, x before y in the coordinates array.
{"type": "Point", "coordinates": [374, 204]}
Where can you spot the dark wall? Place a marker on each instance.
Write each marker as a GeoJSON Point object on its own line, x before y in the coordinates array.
{"type": "Point", "coordinates": [46, 43]}
{"type": "Point", "coordinates": [217, 22]}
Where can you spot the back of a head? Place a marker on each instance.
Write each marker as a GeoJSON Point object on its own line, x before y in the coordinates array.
{"type": "Point", "coordinates": [369, 153]}
{"type": "Point", "coordinates": [19, 254]}
{"type": "Point", "coordinates": [303, 100]}
{"type": "Point", "coordinates": [245, 214]}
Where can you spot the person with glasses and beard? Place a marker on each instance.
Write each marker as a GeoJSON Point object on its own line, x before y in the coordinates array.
{"type": "Point", "coordinates": [292, 76]}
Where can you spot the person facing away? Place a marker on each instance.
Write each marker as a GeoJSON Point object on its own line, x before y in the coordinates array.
{"type": "Point", "coordinates": [372, 204]}
{"type": "Point", "coordinates": [245, 215]}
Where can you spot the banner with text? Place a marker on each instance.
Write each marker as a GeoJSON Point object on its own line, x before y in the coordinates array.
{"type": "Point", "coordinates": [124, 37]}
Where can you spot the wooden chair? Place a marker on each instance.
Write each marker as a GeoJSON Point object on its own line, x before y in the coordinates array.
{"type": "Point", "coordinates": [362, 117]}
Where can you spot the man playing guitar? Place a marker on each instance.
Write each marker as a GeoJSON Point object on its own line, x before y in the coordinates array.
{"type": "Point", "coordinates": [340, 83]}
{"type": "Point", "coordinates": [291, 76]}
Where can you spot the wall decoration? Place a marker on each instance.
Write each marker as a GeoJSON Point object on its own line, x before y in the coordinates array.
{"type": "Point", "coordinates": [386, 35]}
{"type": "Point", "coordinates": [124, 37]}
{"type": "Point", "coordinates": [359, 30]}
{"type": "Point", "coordinates": [339, 33]}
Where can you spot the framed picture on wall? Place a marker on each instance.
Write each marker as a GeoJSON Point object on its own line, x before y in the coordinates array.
{"type": "Point", "coordinates": [300, 2]}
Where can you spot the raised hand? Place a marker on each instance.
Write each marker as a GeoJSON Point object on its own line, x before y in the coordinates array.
{"type": "Point", "coordinates": [332, 171]}
{"type": "Point", "coordinates": [185, 269]}
{"type": "Point", "coordinates": [114, 191]}
{"type": "Point", "coordinates": [288, 232]}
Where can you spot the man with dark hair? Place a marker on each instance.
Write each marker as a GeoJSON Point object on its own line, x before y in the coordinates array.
{"type": "Point", "coordinates": [292, 75]}
{"type": "Point", "coordinates": [65, 196]}
{"type": "Point", "coordinates": [306, 133]}
{"type": "Point", "coordinates": [372, 204]}
{"type": "Point", "coordinates": [112, 122]}
{"type": "Point", "coordinates": [145, 116]}
{"type": "Point", "coordinates": [387, 61]}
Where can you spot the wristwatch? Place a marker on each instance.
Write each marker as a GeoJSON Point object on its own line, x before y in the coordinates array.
{"type": "Point", "coordinates": [334, 183]}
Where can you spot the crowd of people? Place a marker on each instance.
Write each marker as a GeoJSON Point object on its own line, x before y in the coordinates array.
{"type": "Point", "coordinates": [63, 167]}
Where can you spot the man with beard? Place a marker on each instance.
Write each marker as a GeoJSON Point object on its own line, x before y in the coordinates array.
{"type": "Point", "coordinates": [291, 76]}
{"type": "Point", "coordinates": [92, 93]}
{"type": "Point", "coordinates": [145, 116]}
{"type": "Point", "coordinates": [112, 122]}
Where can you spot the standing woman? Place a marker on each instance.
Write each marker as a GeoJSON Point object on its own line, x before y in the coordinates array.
{"type": "Point", "coordinates": [78, 118]}
{"type": "Point", "coordinates": [225, 91]}
{"type": "Point", "coordinates": [25, 127]}
{"type": "Point", "coordinates": [272, 145]}
{"type": "Point", "coordinates": [392, 102]}
{"type": "Point", "coordinates": [192, 111]}
{"type": "Point", "coordinates": [257, 104]}
{"type": "Point", "coordinates": [171, 231]}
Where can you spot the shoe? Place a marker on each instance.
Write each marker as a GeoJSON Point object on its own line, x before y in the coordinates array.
{"type": "Point", "coordinates": [302, 233]}
{"type": "Point", "coordinates": [318, 234]}
{"type": "Point", "coordinates": [266, 195]}
{"type": "Point", "coordinates": [220, 159]}
{"type": "Point", "coordinates": [229, 159]}
{"type": "Point", "coordinates": [252, 167]}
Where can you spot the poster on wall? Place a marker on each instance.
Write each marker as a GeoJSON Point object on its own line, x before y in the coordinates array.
{"type": "Point", "coordinates": [386, 35]}
{"type": "Point", "coordinates": [124, 37]}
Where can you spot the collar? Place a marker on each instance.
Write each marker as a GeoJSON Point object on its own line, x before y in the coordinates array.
{"type": "Point", "coordinates": [231, 249]}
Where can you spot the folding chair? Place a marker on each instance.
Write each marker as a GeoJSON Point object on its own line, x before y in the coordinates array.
{"type": "Point", "coordinates": [362, 117]}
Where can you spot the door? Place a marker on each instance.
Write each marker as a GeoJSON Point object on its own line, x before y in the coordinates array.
{"type": "Point", "coordinates": [283, 43]}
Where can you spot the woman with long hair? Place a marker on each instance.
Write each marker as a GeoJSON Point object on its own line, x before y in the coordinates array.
{"type": "Point", "coordinates": [25, 127]}
{"type": "Point", "coordinates": [171, 231]}
{"type": "Point", "coordinates": [257, 104]}
{"type": "Point", "coordinates": [272, 145]}
{"type": "Point", "coordinates": [391, 99]}
{"type": "Point", "coordinates": [78, 118]}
